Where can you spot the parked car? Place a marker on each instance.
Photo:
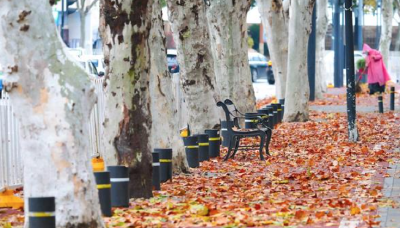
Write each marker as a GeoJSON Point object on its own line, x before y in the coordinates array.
{"type": "Point", "coordinates": [98, 62]}
{"type": "Point", "coordinates": [173, 65]}
{"type": "Point", "coordinates": [260, 67]}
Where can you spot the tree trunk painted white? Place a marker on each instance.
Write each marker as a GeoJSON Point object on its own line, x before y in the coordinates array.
{"type": "Point", "coordinates": [297, 86]}
{"type": "Point", "coordinates": [82, 17]}
{"type": "Point", "coordinates": [386, 37]}
{"type": "Point", "coordinates": [322, 27]}
{"type": "Point", "coordinates": [275, 18]}
{"type": "Point", "coordinates": [228, 33]}
{"type": "Point", "coordinates": [52, 101]}
{"type": "Point", "coordinates": [125, 29]}
{"type": "Point", "coordinates": [190, 30]}
{"type": "Point", "coordinates": [165, 126]}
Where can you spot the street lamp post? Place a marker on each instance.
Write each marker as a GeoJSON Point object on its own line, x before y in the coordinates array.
{"type": "Point", "coordinates": [338, 45]}
{"type": "Point", "coordinates": [351, 85]}
{"type": "Point", "coordinates": [311, 54]}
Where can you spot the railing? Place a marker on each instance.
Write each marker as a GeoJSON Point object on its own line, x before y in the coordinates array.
{"type": "Point", "coordinates": [11, 170]}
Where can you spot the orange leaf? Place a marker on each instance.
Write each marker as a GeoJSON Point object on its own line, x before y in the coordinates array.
{"type": "Point", "coordinates": [355, 210]}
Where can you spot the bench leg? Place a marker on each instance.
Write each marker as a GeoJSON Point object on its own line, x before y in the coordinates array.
{"type": "Point", "coordinates": [236, 147]}
{"type": "Point", "coordinates": [262, 146]}
{"type": "Point", "coordinates": [230, 148]}
{"type": "Point", "coordinates": [269, 136]}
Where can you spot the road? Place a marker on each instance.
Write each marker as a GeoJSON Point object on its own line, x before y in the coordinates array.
{"type": "Point", "coordinates": [262, 89]}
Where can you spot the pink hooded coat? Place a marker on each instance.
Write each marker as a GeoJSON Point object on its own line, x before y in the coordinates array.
{"type": "Point", "coordinates": [377, 72]}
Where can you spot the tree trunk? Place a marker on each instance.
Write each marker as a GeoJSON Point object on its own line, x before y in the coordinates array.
{"type": "Point", "coordinates": [52, 101]}
{"type": "Point", "coordinates": [82, 17]}
{"type": "Point", "coordinates": [228, 33]}
{"type": "Point", "coordinates": [165, 127]}
{"type": "Point", "coordinates": [386, 37]}
{"type": "Point", "coordinates": [125, 29]}
{"type": "Point", "coordinates": [297, 87]}
{"type": "Point", "coordinates": [189, 27]}
{"type": "Point", "coordinates": [322, 27]}
{"type": "Point", "coordinates": [275, 17]}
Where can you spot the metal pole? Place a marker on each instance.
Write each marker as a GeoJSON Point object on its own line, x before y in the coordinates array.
{"type": "Point", "coordinates": [351, 91]}
{"type": "Point", "coordinates": [392, 97]}
{"type": "Point", "coordinates": [338, 70]}
{"type": "Point", "coordinates": [360, 24]}
{"type": "Point", "coordinates": [311, 54]}
{"type": "Point", "coordinates": [380, 103]}
{"type": "Point", "coordinates": [62, 19]}
{"type": "Point", "coordinates": [378, 24]}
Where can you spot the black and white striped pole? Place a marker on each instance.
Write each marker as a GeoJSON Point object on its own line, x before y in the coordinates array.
{"type": "Point", "coordinates": [42, 212]}
{"type": "Point", "coordinates": [156, 171]}
{"type": "Point", "coordinates": [119, 177]}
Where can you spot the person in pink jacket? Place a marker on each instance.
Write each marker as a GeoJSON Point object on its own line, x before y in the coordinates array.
{"type": "Point", "coordinates": [376, 70]}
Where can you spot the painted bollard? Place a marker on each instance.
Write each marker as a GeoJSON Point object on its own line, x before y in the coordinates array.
{"type": "Point", "coordinates": [165, 164]}
{"type": "Point", "coordinates": [269, 110]}
{"type": "Point", "coordinates": [224, 132]}
{"type": "Point", "coordinates": [392, 98]}
{"type": "Point", "coordinates": [280, 116]}
{"type": "Point", "coordinates": [276, 117]}
{"type": "Point", "coordinates": [380, 103]}
{"type": "Point", "coordinates": [214, 142]}
{"type": "Point", "coordinates": [273, 115]}
{"type": "Point", "coordinates": [250, 120]}
{"type": "Point", "coordinates": [204, 154]}
{"type": "Point", "coordinates": [119, 177]}
{"type": "Point", "coordinates": [263, 113]}
{"type": "Point", "coordinates": [104, 187]}
{"type": "Point", "coordinates": [42, 212]}
{"type": "Point", "coordinates": [156, 171]}
{"type": "Point", "coordinates": [192, 151]}
{"type": "Point", "coordinates": [282, 102]}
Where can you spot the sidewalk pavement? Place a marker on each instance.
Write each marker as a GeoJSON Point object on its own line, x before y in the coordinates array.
{"type": "Point", "coordinates": [389, 215]}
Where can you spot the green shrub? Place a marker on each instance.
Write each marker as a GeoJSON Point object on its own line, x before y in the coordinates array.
{"type": "Point", "coordinates": [360, 64]}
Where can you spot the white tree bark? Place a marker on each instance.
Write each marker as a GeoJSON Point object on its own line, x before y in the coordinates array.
{"type": "Point", "coordinates": [322, 27]}
{"type": "Point", "coordinates": [297, 86]}
{"type": "Point", "coordinates": [165, 127]}
{"type": "Point", "coordinates": [275, 18]}
{"type": "Point", "coordinates": [52, 101]}
{"type": "Point", "coordinates": [386, 37]}
{"type": "Point", "coordinates": [190, 30]}
{"type": "Point", "coordinates": [83, 9]}
{"type": "Point", "coordinates": [228, 33]}
{"type": "Point", "coordinates": [125, 28]}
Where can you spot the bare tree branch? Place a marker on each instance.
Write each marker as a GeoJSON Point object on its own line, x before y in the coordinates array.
{"type": "Point", "coordinates": [90, 6]}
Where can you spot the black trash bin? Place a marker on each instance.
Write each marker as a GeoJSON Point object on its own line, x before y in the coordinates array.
{"type": "Point", "coordinates": [224, 132]}
{"type": "Point", "coordinates": [42, 212]}
{"type": "Point", "coordinates": [192, 151]}
{"type": "Point", "coordinates": [104, 188]}
{"type": "Point", "coordinates": [165, 164]}
{"type": "Point", "coordinates": [250, 120]}
{"type": "Point", "coordinates": [119, 178]}
{"type": "Point", "coordinates": [203, 143]}
{"type": "Point", "coordinates": [215, 141]}
{"type": "Point", "coordinates": [156, 171]}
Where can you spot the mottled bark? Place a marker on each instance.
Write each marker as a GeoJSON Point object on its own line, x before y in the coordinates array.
{"type": "Point", "coordinates": [228, 33]}
{"type": "Point", "coordinates": [297, 86]}
{"type": "Point", "coordinates": [125, 30]}
{"type": "Point", "coordinates": [320, 70]}
{"type": "Point", "coordinates": [52, 102]}
{"type": "Point", "coordinates": [189, 26]}
{"type": "Point", "coordinates": [386, 37]}
{"type": "Point", "coordinates": [275, 19]}
{"type": "Point", "coordinates": [165, 127]}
